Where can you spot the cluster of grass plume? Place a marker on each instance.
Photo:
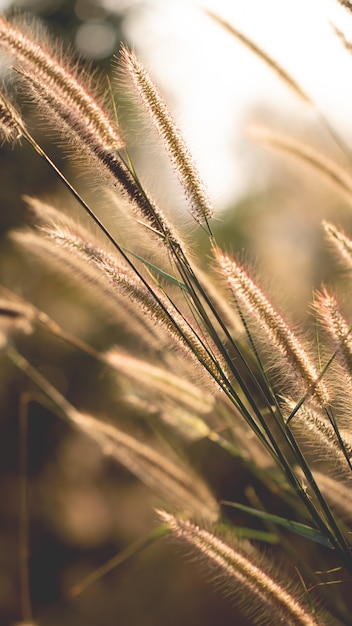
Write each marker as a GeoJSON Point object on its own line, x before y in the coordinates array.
{"type": "Point", "coordinates": [210, 359]}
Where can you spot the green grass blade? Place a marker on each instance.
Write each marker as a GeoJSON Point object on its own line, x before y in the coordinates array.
{"type": "Point", "coordinates": [119, 558]}
{"type": "Point", "coordinates": [300, 529]}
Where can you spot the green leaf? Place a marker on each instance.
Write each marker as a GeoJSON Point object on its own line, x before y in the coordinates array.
{"type": "Point", "coordinates": [157, 270]}
{"type": "Point", "coordinates": [300, 529]}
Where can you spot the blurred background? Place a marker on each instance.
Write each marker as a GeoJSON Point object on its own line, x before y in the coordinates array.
{"type": "Point", "coordinates": [84, 508]}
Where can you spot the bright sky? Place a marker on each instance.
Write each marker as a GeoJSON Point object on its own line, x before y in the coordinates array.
{"type": "Point", "coordinates": [211, 80]}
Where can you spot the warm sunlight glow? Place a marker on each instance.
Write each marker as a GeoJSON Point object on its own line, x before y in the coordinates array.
{"type": "Point", "coordinates": [212, 81]}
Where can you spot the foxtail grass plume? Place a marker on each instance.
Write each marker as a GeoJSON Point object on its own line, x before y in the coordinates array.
{"type": "Point", "coordinates": [60, 94]}
{"type": "Point", "coordinates": [112, 276]}
{"type": "Point", "coordinates": [247, 294]}
{"type": "Point", "coordinates": [337, 328]}
{"type": "Point", "coordinates": [322, 439]}
{"type": "Point", "coordinates": [163, 382]}
{"type": "Point", "coordinates": [347, 44]}
{"type": "Point", "coordinates": [174, 482]}
{"type": "Point", "coordinates": [242, 574]}
{"type": "Point", "coordinates": [341, 243]}
{"type": "Point", "coordinates": [114, 303]}
{"type": "Point", "coordinates": [108, 164]}
{"type": "Point", "coordinates": [46, 70]}
{"type": "Point", "coordinates": [153, 303]}
{"type": "Point", "coordinates": [11, 124]}
{"type": "Point", "coordinates": [15, 318]}
{"type": "Point", "coordinates": [283, 75]}
{"type": "Point", "coordinates": [330, 171]}
{"type": "Point", "coordinates": [174, 143]}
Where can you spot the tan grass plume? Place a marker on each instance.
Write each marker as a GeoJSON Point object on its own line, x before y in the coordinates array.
{"type": "Point", "coordinates": [242, 574]}
{"type": "Point", "coordinates": [174, 143]}
{"type": "Point", "coordinates": [247, 293]}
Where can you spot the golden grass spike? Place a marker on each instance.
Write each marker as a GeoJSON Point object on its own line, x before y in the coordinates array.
{"type": "Point", "coordinates": [160, 310]}
{"type": "Point", "coordinates": [115, 302]}
{"type": "Point", "coordinates": [346, 43]}
{"type": "Point", "coordinates": [163, 382]}
{"type": "Point", "coordinates": [337, 328]}
{"type": "Point", "coordinates": [11, 123]}
{"type": "Point", "coordinates": [278, 332]}
{"type": "Point", "coordinates": [62, 95]}
{"type": "Point", "coordinates": [112, 277]}
{"type": "Point", "coordinates": [330, 171]}
{"type": "Point", "coordinates": [196, 193]}
{"type": "Point", "coordinates": [169, 479]}
{"type": "Point", "coordinates": [341, 243]}
{"type": "Point", "coordinates": [243, 574]}
{"type": "Point", "coordinates": [65, 86]}
{"type": "Point", "coordinates": [346, 3]}
{"type": "Point", "coordinates": [319, 435]}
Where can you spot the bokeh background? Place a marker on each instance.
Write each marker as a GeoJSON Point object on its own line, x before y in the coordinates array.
{"type": "Point", "coordinates": [84, 508]}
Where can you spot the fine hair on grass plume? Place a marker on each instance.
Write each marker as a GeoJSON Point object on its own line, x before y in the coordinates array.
{"type": "Point", "coordinates": [177, 370]}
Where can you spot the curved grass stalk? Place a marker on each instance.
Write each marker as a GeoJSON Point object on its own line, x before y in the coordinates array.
{"type": "Point", "coordinates": [330, 171]}
{"type": "Point", "coordinates": [201, 208]}
{"type": "Point", "coordinates": [171, 482]}
{"type": "Point", "coordinates": [283, 75]}
{"type": "Point", "coordinates": [243, 575]}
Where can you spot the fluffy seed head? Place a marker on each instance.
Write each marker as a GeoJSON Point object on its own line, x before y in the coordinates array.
{"type": "Point", "coordinates": [189, 177]}
{"type": "Point", "coordinates": [337, 328]}
{"type": "Point", "coordinates": [45, 70]}
{"type": "Point", "coordinates": [240, 571]}
{"type": "Point", "coordinates": [341, 243]}
{"type": "Point", "coordinates": [11, 124]}
{"type": "Point", "coordinates": [169, 479]}
{"type": "Point", "coordinates": [248, 294]}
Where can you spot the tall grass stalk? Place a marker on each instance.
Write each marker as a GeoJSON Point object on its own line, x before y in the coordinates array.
{"type": "Point", "coordinates": [198, 359]}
